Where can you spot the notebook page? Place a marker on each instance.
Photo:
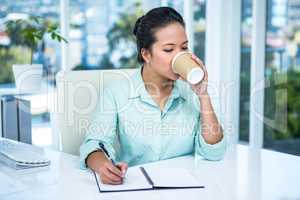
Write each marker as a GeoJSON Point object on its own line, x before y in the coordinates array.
{"type": "Point", "coordinates": [172, 177]}
{"type": "Point", "coordinates": [134, 180]}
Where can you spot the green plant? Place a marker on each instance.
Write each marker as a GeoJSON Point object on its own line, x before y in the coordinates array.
{"type": "Point", "coordinates": [120, 38]}
{"type": "Point", "coordinates": [283, 93]}
{"type": "Point", "coordinates": [31, 31]}
{"type": "Point", "coordinates": [9, 56]}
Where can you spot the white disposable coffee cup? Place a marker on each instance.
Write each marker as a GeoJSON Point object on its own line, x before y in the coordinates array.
{"type": "Point", "coordinates": [185, 66]}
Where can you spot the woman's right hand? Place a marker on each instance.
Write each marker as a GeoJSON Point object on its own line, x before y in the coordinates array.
{"type": "Point", "coordinates": [109, 173]}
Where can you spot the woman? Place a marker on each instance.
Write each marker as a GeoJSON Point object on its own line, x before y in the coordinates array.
{"type": "Point", "coordinates": [160, 119]}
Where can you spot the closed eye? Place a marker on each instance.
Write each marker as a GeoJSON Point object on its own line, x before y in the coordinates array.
{"type": "Point", "coordinates": [170, 50]}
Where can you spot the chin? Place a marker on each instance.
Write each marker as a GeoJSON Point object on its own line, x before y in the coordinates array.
{"type": "Point", "coordinates": [176, 77]}
{"type": "Point", "coordinates": [172, 76]}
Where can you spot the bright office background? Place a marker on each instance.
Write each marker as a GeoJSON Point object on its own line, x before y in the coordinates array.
{"type": "Point", "coordinates": [100, 37]}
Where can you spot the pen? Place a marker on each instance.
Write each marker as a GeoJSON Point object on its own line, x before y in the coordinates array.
{"type": "Point", "coordinates": [106, 153]}
{"type": "Point", "coordinates": [108, 156]}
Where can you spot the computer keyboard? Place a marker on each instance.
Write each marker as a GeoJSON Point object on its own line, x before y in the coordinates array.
{"type": "Point", "coordinates": [20, 155]}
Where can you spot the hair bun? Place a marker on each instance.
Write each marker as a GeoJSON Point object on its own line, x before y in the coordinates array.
{"type": "Point", "coordinates": [137, 23]}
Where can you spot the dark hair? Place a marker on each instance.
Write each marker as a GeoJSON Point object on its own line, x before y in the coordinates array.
{"type": "Point", "coordinates": [146, 25]}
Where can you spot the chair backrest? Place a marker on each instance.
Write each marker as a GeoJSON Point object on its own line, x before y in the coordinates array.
{"type": "Point", "coordinates": [77, 95]}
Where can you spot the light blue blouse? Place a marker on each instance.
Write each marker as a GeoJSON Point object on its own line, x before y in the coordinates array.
{"type": "Point", "coordinates": [134, 130]}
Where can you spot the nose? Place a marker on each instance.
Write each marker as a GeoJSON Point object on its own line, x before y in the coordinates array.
{"type": "Point", "coordinates": [178, 51]}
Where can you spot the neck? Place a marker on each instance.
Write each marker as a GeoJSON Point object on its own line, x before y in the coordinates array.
{"type": "Point", "coordinates": [155, 82]}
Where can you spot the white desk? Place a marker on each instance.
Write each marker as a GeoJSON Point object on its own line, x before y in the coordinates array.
{"type": "Point", "coordinates": [241, 175]}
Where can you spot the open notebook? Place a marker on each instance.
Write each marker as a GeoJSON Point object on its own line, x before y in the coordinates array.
{"type": "Point", "coordinates": [147, 178]}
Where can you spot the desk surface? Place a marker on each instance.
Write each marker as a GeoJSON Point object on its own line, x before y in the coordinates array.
{"type": "Point", "coordinates": [243, 174]}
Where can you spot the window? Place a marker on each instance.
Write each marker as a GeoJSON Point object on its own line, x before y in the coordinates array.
{"type": "Point", "coordinates": [47, 53]}
{"type": "Point", "coordinates": [282, 74]}
{"type": "Point", "coordinates": [246, 39]}
{"type": "Point", "coordinates": [101, 34]}
{"type": "Point", "coordinates": [13, 51]}
{"type": "Point", "coordinates": [199, 28]}
{"type": "Point", "coordinates": [176, 4]}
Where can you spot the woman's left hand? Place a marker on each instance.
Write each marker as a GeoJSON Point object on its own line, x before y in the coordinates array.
{"type": "Point", "coordinates": [200, 88]}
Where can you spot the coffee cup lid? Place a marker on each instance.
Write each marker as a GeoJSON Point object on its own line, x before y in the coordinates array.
{"type": "Point", "coordinates": [177, 55]}
{"type": "Point", "coordinates": [195, 76]}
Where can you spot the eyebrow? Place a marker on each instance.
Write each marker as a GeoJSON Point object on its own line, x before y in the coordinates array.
{"type": "Point", "coordinates": [175, 44]}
